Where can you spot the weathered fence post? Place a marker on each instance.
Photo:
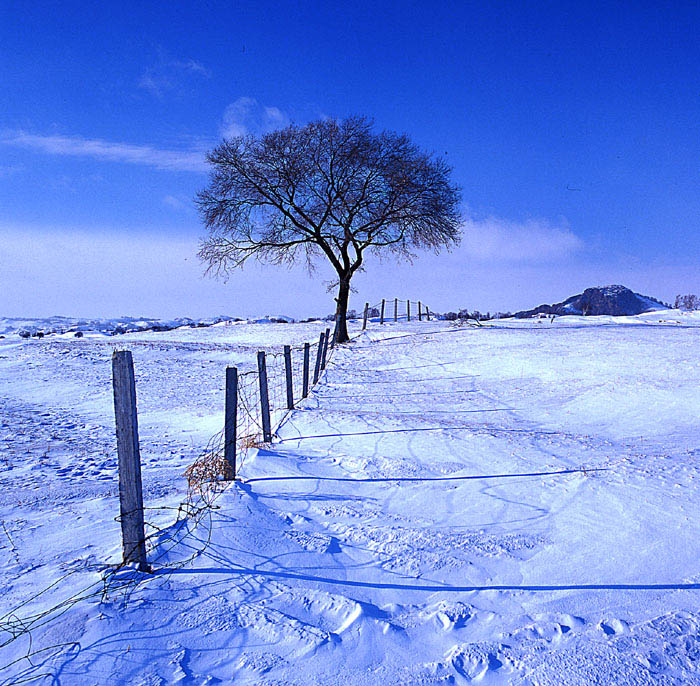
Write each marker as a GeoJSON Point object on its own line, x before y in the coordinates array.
{"type": "Point", "coordinates": [364, 316]}
{"type": "Point", "coordinates": [381, 313]}
{"type": "Point", "coordinates": [288, 375]}
{"type": "Point", "coordinates": [130, 491]}
{"type": "Point", "coordinates": [264, 398]}
{"type": "Point", "coordinates": [319, 355]}
{"type": "Point", "coordinates": [325, 348]}
{"type": "Point", "coordinates": [396, 309]}
{"type": "Point", "coordinates": [305, 372]}
{"type": "Point", "coordinates": [408, 310]}
{"type": "Point", "coordinates": [334, 338]}
{"type": "Point", "coordinates": [420, 315]}
{"type": "Point", "coordinates": [230, 423]}
{"type": "Point", "coordinates": [427, 313]}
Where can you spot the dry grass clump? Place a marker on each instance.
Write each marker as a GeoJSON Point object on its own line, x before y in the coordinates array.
{"type": "Point", "coordinates": [212, 468]}
{"type": "Point", "coordinates": [251, 441]}
{"type": "Point", "coordinates": [207, 471]}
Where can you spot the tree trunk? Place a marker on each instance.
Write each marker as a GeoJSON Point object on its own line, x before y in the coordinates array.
{"type": "Point", "coordinates": [341, 311]}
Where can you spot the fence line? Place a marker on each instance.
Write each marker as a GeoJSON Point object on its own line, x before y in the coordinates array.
{"type": "Point", "coordinates": [288, 377]}
{"type": "Point", "coordinates": [402, 310]}
{"type": "Point", "coordinates": [255, 401]}
{"type": "Point", "coordinates": [263, 397]}
{"type": "Point", "coordinates": [283, 377]}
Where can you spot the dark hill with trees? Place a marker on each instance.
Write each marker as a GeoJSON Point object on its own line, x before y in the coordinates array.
{"type": "Point", "coordinates": [610, 300]}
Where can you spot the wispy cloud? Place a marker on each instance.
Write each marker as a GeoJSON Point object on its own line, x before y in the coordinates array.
{"type": "Point", "coordinates": [168, 75]}
{"type": "Point", "coordinates": [502, 240]}
{"type": "Point", "coordinates": [174, 203]}
{"type": "Point", "coordinates": [247, 115]}
{"type": "Point", "coordinates": [193, 67]}
{"type": "Point", "coordinates": [171, 160]}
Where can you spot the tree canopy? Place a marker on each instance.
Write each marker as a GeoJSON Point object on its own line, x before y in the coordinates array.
{"type": "Point", "coordinates": [332, 189]}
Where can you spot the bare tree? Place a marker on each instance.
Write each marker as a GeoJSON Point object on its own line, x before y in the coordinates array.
{"type": "Point", "coordinates": [687, 302]}
{"type": "Point", "coordinates": [333, 189]}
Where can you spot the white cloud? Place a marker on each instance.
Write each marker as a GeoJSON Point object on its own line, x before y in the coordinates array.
{"type": "Point", "coordinates": [247, 115]}
{"type": "Point", "coordinates": [167, 75]}
{"type": "Point", "coordinates": [171, 160]}
{"type": "Point", "coordinates": [275, 118]}
{"type": "Point", "coordinates": [173, 202]}
{"type": "Point", "coordinates": [495, 239]}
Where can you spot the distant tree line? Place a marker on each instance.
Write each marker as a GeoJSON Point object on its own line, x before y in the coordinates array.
{"type": "Point", "coordinates": [687, 302]}
{"type": "Point", "coordinates": [475, 314]}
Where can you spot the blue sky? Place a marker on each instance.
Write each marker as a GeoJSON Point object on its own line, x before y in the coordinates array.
{"type": "Point", "coordinates": [573, 129]}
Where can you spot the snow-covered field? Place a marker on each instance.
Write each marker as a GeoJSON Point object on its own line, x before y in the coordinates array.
{"type": "Point", "coordinates": [515, 503]}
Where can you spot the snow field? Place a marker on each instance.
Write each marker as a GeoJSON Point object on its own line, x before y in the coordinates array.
{"type": "Point", "coordinates": [515, 503]}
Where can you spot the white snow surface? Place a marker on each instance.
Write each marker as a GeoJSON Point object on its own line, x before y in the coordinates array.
{"type": "Point", "coordinates": [515, 503]}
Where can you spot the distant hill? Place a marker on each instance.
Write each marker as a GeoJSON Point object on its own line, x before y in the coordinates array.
{"type": "Point", "coordinates": [611, 300]}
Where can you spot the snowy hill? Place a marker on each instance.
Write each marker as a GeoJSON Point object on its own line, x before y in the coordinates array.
{"type": "Point", "coordinates": [613, 300]}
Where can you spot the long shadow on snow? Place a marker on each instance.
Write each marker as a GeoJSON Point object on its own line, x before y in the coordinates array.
{"type": "Point", "coordinates": [243, 571]}
{"type": "Point", "coordinates": [320, 396]}
{"type": "Point", "coordinates": [428, 428]}
{"type": "Point", "coordinates": [416, 478]}
{"type": "Point", "coordinates": [395, 381]}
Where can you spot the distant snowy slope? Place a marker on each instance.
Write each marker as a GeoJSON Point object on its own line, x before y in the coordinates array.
{"type": "Point", "coordinates": [26, 327]}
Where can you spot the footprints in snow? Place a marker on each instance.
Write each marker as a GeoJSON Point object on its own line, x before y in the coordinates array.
{"type": "Point", "coordinates": [613, 627]}
{"type": "Point", "coordinates": [455, 616]}
{"type": "Point", "coordinates": [474, 660]}
{"type": "Point", "coordinates": [553, 628]}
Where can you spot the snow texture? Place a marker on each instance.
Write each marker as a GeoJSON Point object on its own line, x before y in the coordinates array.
{"type": "Point", "coordinates": [515, 503]}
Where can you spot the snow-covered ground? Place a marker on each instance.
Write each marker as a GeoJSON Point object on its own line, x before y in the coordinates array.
{"type": "Point", "coordinates": [511, 503]}
{"type": "Point", "coordinates": [70, 326]}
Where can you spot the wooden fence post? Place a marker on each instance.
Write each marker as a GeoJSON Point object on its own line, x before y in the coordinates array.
{"type": "Point", "coordinates": [364, 316]}
{"type": "Point", "coordinates": [130, 491]}
{"type": "Point", "coordinates": [396, 309]}
{"type": "Point", "coordinates": [420, 315]}
{"type": "Point", "coordinates": [230, 423]}
{"type": "Point", "coordinates": [305, 373]}
{"type": "Point", "coordinates": [288, 375]}
{"type": "Point", "coordinates": [427, 313]}
{"type": "Point", "coordinates": [325, 348]}
{"type": "Point", "coordinates": [408, 310]}
{"type": "Point", "coordinates": [334, 338]}
{"type": "Point", "coordinates": [381, 314]}
{"type": "Point", "coordinates": [319, 355]}
{"type": "Point", "coordinates": [264, 398]}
